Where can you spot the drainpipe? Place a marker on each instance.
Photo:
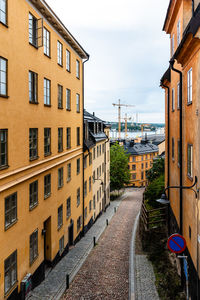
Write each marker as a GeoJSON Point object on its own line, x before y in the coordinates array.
{"type": "Point", "coordinates": [192, 7]}
{"type": "Point", "coordinates": [105, 178]}
{"type": "Point", "coordinates": [83, 91]}
{"type": "Point", "coordinates": [181, 145]}
{"type": "Point", "coordinates": [168, 136]}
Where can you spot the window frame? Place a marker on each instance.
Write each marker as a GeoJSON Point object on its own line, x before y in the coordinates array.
{"type": "Point", "coordinates": [47, 185]}
{"type": "Point", "coordinates": [6, 77]}
{"type": "Point", "coordinates": [189, 86]}
{"type": "Point", "coordinates": [60, 216]}
{"type": "Point", "coordinates": [12, 211]}
{"type": "Point", "coordinates": [33, 143]}
{"type": "Point", "coordinates": [6, 14]}
{"type": "Point", "coordinates": [77, 69]}
{"type": "Point", "coordinates": [78, 197]}
{"type": "Point", "coordinates": [68, 99]}
{"type": "Point", "coordinates": [178, 32]}
{"type": "Point", "coordinates": [78, 166]}
{"type": "Point", "coordinates": [68, 60]}
{"type": "Point", "coordinates": [173, 99]}
{"type": "Point", "coordinates": [33, 41]}
{"type": "Point", "coordinates": [9, 270]}
{"type": "Point", "coordinates": [33, 87]}
{"type": "Point", "coordinates": [60, 177]}
{"type": "Point", "coordinates": [78, 103]}
{"type": "Point", "coordinates": [68, 138]}
{"type": "Point", "coordinates": [4, 132]}
{"type": "Point", "coordinates": [60, 139]}
{"type": "Point", "coordinates": [60, 96]}
{"type": "Point", "coordinates": [47, 96]}
{"type": "Point", "coordinates": [68, 207]}
{"type": "Point", "coordinates": [47, 42]}
{"type": "Point", "coordinates": [47, 145]}
{"type": "Point", "coordinates": [178, 95]}
{"type": "Point", "coordinates": [173, 149]}
{"type": "Point", "coordinates": [59, 53]}
{"type": "Point", "coordinates": [69, 172]}
{"type": "Point", "coordinates": [33, 193]}
{"type": "Point", "coordinates": [34, 242]}
{"type": "Point", "coordinates": [78, 141]}
{"type": "Point", "coordinates": [190, 162]}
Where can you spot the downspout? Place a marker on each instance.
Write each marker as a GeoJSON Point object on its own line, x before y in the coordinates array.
{"type": "Point", "coordinates": [193, 8]}
{"type": "Point", "coordinates": [105, 179]}
{"type": "Point", "coordinates": [83, 105]}
{"type": "Point", "coordinates": [181, 145]}
{"type": "Point", "coordinates": [168, 136]}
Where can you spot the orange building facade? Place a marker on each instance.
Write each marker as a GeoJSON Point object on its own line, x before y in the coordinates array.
{"type": "Point", "coordinates": [181, 84]}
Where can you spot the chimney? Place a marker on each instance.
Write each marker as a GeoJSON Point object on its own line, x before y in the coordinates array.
{"type": "Point", "coordinates": [93, 114]}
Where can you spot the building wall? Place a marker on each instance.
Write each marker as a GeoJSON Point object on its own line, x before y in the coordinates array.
{"type": "Point", "coordinates": [18, 116]}
{"type": "Point", "coordinates": [142, 163]}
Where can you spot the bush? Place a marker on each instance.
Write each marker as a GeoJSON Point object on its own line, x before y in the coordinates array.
{"type": "Point", "coordinates": [155, 190]}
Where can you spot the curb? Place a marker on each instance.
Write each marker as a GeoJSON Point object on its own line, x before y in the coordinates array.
{"type": "Point", "coordinates": [132, 292]}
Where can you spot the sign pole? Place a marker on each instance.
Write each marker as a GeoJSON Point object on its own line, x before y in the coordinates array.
{"type": "Point", "coordinates": [185, 263]}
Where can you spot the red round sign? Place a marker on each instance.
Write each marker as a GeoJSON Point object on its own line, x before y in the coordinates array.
{"type": "Point", "coordinates": [176, 243]}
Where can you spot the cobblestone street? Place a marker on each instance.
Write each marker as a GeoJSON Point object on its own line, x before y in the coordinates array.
{"type": "Point", "coordinates": [105, 273]}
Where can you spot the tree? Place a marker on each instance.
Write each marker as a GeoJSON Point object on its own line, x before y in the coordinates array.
{"type": "Point", "coordinates": [119, 172]}
{"type": "Point", "coordinates": [157, 169]}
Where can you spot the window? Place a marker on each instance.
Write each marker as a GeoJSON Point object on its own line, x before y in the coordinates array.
{"type": "Point", "coordinates": [32, 30]}
{"type": "Point", "coordinates": [60, 139]}
{"type": "Point", "coordinates": [178, 95]}
{"type": "Point", "coordinates": [10, 271]}
{"type": "Point", "coordinates": [3, 148]}
{"type": "Point", "coordinates": [68, 207]}
{"type": "Point", "coordinates": [3, 75]}
{"type": "Point", "coordinates": [33, 85]}
{"type": "Point", "coordinates": [90, 159]}
{"type": "Point", "coordinates": [68, 172]}
{"type": "Point", "coordinates": [78, 166]}
{"type": "Point", "coordinates": [97, 196]}
{"type": "Point", "coordinates": [97, 151]}
{"type": "Point", "coordinates": [59, 53]}
{"type": "Point", "coordinates": [68, 99]}
{"type": "Point", "coordinates": [78, 136]}
{"type": "Point", "coordinates": [61, 245]}
{"type": "Point", "coordinates": [3, 11]}
{"type": "Point", "coordinates": [85, 162]}
{"type": "Point", "coordinates": [85, 188]}
{"type": "Point", "coordinates": [172, 148]}
{"type": "Point", "coordinates": [146, 165]}
{"type": "Point", "coordinates": [90, 205]}
{"type": "Point", "coordinates": [190, 160]}
{"type": "Point", "coordinates": [90, 184]}
{"type": "Point", "coordinates": [77, 103]}
{"type": "Point", "coordinates": [68, 137]}
{"type": "Point", "coordinates": [33, 194]}
{"type": "Point", "coordinates": [46, 41]}
{"type": "Point", "coordinates": [47, 141]}
{"type": "Point", "coordinates": [85, 213]}
{"type": "Point", "coordinates": [94, 153]}
{"type": "Point", "coordinates": [142, 175]}
{"type": "Point", "coordinates": [133, 167]}
{"type": "Point", "coordinates": [79, 223]}
{"type": "Point", "coordinates": [60, 96]}
{"type": "Point", "coordinates": [94, 202]}
{"type": "Point", "coordinates": [178, 32]}
{"type": "Point", "coordinates": [133, 158]}
{"type": "Point", "coordinates": [77, 69]}
{"type": "Point", "coordinates": [33, 143]}
{"type": "Point", "coordinates": [60, 177]}
{"type": "Point", "coordinates": [68, 60]}
{"type": "Point", "coordinates": [173, 102]}
{"type": "Point", "coordinates": [47, 92]}
{"type": "Point", "coordinates": [10, 210]}
{"type": "Point", "coordinates": [134, 176]}
{"type": "Point", "coordinates": [93, 177]}
{"type": "Point", "coordinates": [60, 216]}
{"type": "Point", "coordinates": [142, 166]}
{"type": "Point", "coordinates": [189, 86]}
{"type": "Point", "coordinates": [33, 246]}
{"type": "Point", "coordinates": [47, 185]}
{"type": "Point", "coordinates": [78, 197]}
{"type": "Point", "coordinates": [178, 153]}
{"type": "Point", "coordinates": [172, 45]}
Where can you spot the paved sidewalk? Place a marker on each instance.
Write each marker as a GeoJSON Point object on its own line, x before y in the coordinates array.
{"type": "Point", "coordinates": [55, 284]}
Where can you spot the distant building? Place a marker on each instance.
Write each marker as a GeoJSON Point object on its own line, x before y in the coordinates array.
{"type": "Point", "coordinates": [158, 140]}
{"type": "Point", "coordinates": [140, 160]}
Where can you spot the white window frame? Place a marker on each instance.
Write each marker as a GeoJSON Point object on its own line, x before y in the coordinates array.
{"type": "Point", "coordinates": [68, 99]}
{"type": "Point", "coordinates": [47, 92]}
{"type": "Point", "coordinates": [3, 76]}
{"type": "Point", "coordinates": [59, 53]}
{"type": "Point", "coordinates": [189, 86]}
{"type": "Point", "coordinates": [68, 60]}
{"type": "Point", "coordinates": [77, 69]}
{"type": "Point", "coordinates": [78, 103]}
{"type": "Point", "coordinates": [46, 39]}
{"type": "Point", "coordinates": [173, 99]}
{"type": "Point", "coordinates": [178, 32]}
{"type": "Point", "coordinates": [178, 95]}
{"type": "Point", "coordinates": [3, 12]}
{"type": "Point", "coordinates": [190, 160]}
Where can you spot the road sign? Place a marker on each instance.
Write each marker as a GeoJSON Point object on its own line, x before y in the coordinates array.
{"type": "Point", "coordinates": [176, 243]}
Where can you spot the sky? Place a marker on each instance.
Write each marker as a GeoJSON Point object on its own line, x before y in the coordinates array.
{"type": "Point", "coordinates": [128, 51]}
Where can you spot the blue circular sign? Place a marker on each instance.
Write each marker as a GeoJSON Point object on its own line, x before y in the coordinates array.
{"type": "Point", "coordinates": [176, 243]}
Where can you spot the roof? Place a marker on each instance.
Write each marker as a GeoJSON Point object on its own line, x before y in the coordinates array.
{"type": "Point", "coordinates": [166, 76]}
{"type": "Point", "coordinates": [155, 139]}
{"type": "Point", "coordinates": [52, 18]}
{"type": "Point", "coordinates": [139, 149]}
{"type": "Point", "coordinates": [169, 6]}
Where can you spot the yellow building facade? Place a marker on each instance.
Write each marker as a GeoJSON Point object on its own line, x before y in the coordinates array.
{"type": "Point", "coordinates": [181, 84]}
{"type": "Point", "coordinates": [41, 148]}
{"type": "Point", "coordinates": [141, 157]}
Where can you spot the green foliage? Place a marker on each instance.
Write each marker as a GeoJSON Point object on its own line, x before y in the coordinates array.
{"type": "Point", "coordinates": [119, 172]}
{"type": "Point", "coordinates": [155, 190]}
{"type": "Point", "coordinates": [157, 169]}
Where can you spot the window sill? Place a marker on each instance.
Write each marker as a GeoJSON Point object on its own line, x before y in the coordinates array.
{"type": "Point", "coordinates": [32, 262]}
{"type": "Point", "coordinates": [60, 107]}
{"type": "Point", "coordinates": [47, 154]}
{"type": "Point", "coordinates": [77, 173]}
{"type": "Point", "coordinates": [68, 148]}
{"type": "Point", "coordinates": [47, 55]}
{"type": "Point", "coordinates": [4, 167]}
{"type": "Point", "coordinates": [33, 206]}
{"type": "Point", "coordinates": [4, 24]}
{"type": "Point", "coordinates": [59, 227]}
{"type": "Point", "coordinates": [189, 103]}
{"type": "Point", "coordinates": [68, 180]}
{"type": "Point", "coordinates": [4, 96]}
{"type": "Point", "coordinates": [47, 196]}
{"type": "Point", "coordinates": [48, 105]}
{"type": "Point", "coordinates": [60, 187]}
{"type": "Point", "coordinates": [33, 45]}
{"type": "Point", "coordinates": [59, 151]}
{"type": "Point", "coordinates": [10, 225]}
{"type": "Point", "coordinates": [78, 112]}
{"type": "Point", "coordinates": [189, 177]}
{"type": "Point", "coordinates": [78, 78]}
{"type": "Point", "coordinates": [11, 289]}
{"type": "Point", "coordinates": [68, 109]}
{"type": "Point", "coordinates": [33, 158]}
{"type": "Point", "coordinates": [32, 102]}
{"type": "Point", "coordinates": [69, 71]}
{"type": "Point", "coordinates": [60, 65]}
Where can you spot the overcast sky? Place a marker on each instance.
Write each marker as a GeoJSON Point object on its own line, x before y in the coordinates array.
{"type": "Point", "coordinates": [128, 50]}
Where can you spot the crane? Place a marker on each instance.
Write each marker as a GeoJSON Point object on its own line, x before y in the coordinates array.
{"type": "Point", "coordinates": [142, 128]}
{"type": "Point", "coordinates": [119, 114]}
{"type": "Point", "coordinates": [126, 119]}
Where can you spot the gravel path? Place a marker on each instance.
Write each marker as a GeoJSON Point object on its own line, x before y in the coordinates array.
{"type": "Point", "coordinates": [105, 273]}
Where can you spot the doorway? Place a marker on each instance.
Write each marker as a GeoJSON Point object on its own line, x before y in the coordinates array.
{"type": "Point", "coordinates": [47, 241]}
{"type": "Point", "coordinates": [71, 234]}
